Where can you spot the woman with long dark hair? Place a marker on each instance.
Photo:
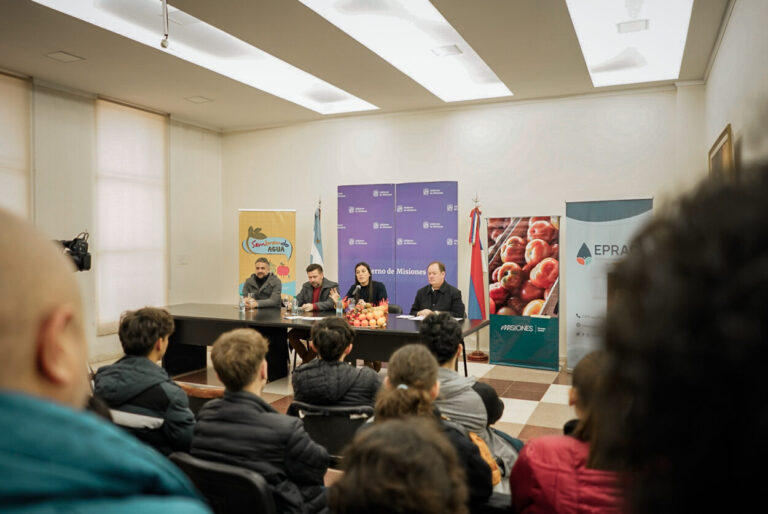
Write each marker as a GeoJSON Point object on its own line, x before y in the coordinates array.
{"type": "Point", "coordinates": [365, 287]}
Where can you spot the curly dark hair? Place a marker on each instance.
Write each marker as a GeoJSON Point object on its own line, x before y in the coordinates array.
{"type": "Point", "coordinates": [687, 338]}
{"type": "Point", "coordinates": [442, 335]}
{"type": "Point", "coordinates": [140, 329]}
{"type": "Point", "coordinates": [406, 466]}
{"type": "Point", "coordinates": [331, 336]}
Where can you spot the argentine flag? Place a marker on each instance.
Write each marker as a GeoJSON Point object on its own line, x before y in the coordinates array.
{"type": "Point", "coordinates": [316, 254]}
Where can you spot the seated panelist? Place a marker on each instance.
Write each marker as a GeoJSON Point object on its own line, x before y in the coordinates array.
{"type": "Point", "coordinates": [263, 288]}
{"type": "Point", "coordinates": [365, 287]}
{"type": "Point", "coordinates": [438, 296]}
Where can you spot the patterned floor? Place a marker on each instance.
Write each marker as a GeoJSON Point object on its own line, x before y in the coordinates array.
{"type": "Point", "coordinates": [535, 401]}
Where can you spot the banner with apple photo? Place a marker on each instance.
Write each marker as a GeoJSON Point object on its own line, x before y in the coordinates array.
{"type": "Point", "coordinates": [599, 234]}
{"type": "Point", "coordinates": [523, 274]}
{"type": "Point", "coordinates": [270, 234]}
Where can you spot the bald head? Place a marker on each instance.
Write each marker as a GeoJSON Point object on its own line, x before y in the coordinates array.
{"type": "Point", "coordinates": [41, 326]}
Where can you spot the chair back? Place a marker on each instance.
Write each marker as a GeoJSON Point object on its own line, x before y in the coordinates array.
{"type": "Point", "coordinates": [395, 309]}
{"type": "Point", "coordinates": [331, 426]}
{"type": "Point", "coordinates": [228, 489]}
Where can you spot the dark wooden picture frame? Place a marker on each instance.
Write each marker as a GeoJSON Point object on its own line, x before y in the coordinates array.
{"type": "Point", "coordinates": [722, 164]}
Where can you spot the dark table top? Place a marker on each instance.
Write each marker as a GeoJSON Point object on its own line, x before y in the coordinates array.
{"type": "Point", "coordinates": [276, 318]}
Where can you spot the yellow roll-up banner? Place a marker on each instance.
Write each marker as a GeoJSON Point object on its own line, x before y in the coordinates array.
{"type": "Point", "coordinates": [270, 234]}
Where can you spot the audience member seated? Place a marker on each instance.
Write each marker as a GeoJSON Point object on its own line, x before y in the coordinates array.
{"type": "Point", "coordinates": [552, 475]}
{"type": "Point", "coordinates": [138, 385]}
{"type": "Point", "coordinates": [687, 340]}
{"type": "Point", "coordinates": [329, 380]}
{"type": "Point", "coordinates": [474, 405]}
{"type": "Point", "coordinates": [244, 430]}
{"type": "Point", "coordinates": [406, 466]}
{"type": "Point", "coordinates": [55, 457]}
{"type": "Point", "coordinates": [410, 389]}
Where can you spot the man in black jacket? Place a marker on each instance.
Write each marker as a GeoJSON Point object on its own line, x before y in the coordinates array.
{"type": "Point", "coordinates": [317, 294]}
{"type": "Point", "coordinates": [244, 430]}
{"type": "Point", "coordinates": [136, 384]}
{"type": "Point", "coordinates": [438, 296]}
{"type": "Point", "coordinates": [329, 380]}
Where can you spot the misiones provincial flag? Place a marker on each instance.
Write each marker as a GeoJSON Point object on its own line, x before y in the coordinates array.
{"type": "Point", "coordinates": [476, 290]}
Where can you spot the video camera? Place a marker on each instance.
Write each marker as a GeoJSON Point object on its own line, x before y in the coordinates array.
{"type": "Point", "coordinates": [77, 249]}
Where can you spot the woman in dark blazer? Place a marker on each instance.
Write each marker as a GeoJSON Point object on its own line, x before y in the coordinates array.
{"type": "Point", "coordinates": [365, 287]}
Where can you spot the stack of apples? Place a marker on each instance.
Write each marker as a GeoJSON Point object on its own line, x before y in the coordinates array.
{"type": "Point", "coordinates": [368, 316]}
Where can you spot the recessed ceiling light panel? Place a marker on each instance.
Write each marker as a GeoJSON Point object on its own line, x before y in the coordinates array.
{"type": "Point", "coordinates": [202, 44]}
{"type": "Point", "coordinates": [416, 39]}
{"type": "Point", "coordinates": [631, 41]}
{"type": "Point", "coordinates": [63, 56]}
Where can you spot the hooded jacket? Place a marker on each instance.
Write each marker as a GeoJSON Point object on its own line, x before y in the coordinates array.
{"type": "Point", "coordinates": [136, 384]}
{"type": "Point", "coordinates": [321, 382]}
{"type": "Point", "coordinates": [551, 476]}
{"type": "Point", "coordinates": [243, 430]}
{"type": "Point", "coordinates": [56, 459]}
{"type": "Point", "coordinates": [459, 401]}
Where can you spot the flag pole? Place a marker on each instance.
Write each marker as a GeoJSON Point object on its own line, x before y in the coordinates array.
{"type": "Point", "coordinates": [476, 273]}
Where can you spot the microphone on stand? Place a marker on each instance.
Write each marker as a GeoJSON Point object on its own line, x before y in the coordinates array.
{"type": "Point", "coordinates": [356, 292]}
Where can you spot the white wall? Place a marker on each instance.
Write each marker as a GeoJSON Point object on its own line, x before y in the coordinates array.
{"type": "Point", "coordinates": [519, 158]}
{"type": "Point", "coordinates": [195, 240]}
{"type": "Point", "coordinates": [737, 87]}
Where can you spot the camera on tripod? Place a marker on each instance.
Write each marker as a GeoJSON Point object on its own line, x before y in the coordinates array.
{"type": "Point", "coordinates": [77, 249]}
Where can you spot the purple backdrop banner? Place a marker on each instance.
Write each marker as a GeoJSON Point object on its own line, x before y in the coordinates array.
{"type": "Point", "coordinates": [366, 221]}
{"type": "Point", "coordinates": [426, 229]}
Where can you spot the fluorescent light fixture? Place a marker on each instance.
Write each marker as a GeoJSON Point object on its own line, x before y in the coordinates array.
{"type": "Point", "coordinates": [408, 34]}
{"type": "Point", "coordinates": [631, 41]}
{"type": "Point", "coordinates": [204, 45]}
{"type": "Point", "coordinates": [63, 56]}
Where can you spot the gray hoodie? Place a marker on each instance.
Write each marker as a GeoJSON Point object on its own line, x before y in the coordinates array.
{"type": "Point", "coordinates": [459, 401]}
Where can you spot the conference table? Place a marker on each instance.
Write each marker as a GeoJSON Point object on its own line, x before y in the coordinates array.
{"type": "Point", "coordinates": [199, 324]}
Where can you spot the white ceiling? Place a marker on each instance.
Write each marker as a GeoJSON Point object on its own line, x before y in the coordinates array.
{"type": "Point", "coordinates": [530, 45]}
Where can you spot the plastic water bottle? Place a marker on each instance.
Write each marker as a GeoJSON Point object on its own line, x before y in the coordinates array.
{"type": "Point", "coordinates": [339, 308]}
{"type": "Point", "coordinates": [294, 307]}
{"type": "Point", "coordinates": [241, 305]}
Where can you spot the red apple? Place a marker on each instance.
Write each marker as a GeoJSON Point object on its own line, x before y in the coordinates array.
{"type": "Point", "coordinates": [513, 250]}
{"type": "Point", "coordinates": [510, 276]}
{"type": "Point", "coordinates": [542, 230]}
{"type": "Point", "coordinates": [545, 273]}
{"type": "Point", "coordinates": [530, 292]}
{"type": "Point", "coordinates": [536, 250]}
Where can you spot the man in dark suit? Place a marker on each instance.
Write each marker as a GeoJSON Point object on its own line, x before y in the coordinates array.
{"type": "Point", "coordinates": [438, 296]}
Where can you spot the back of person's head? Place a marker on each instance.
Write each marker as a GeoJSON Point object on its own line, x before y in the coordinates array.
{"type": "Point", "coordinates": [442, 335]}
{"type": "Point", "coordinates": [587, 377]}
{"type": "Point", "coordinates": [406, 466]}
{"type": "Point", "coordinates": [411, 378]}
{"type": "Point", "coordinates": [237, 356]}
{"type": "Point", "coordinates": [686, 336]}
{"type": "Point", "coordinates": [140, 329]}
{"type": "Point", "coordinates": [331, 336]}
{"type": "Point", "coordinates": [42, 330]}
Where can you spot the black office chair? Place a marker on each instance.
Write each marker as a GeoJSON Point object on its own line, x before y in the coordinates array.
{"type": "Point", "coordinates": [228, 489]}
{"type": "Point", "coordinates": [331, 426]}
{"type": "Point", "coordinates": [395, 309]}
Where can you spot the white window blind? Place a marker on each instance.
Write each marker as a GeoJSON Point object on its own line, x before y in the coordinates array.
{"type": "Point", "coordinates": [130, 240]}
{"type": "Point", "coordinates": [14, 145]}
